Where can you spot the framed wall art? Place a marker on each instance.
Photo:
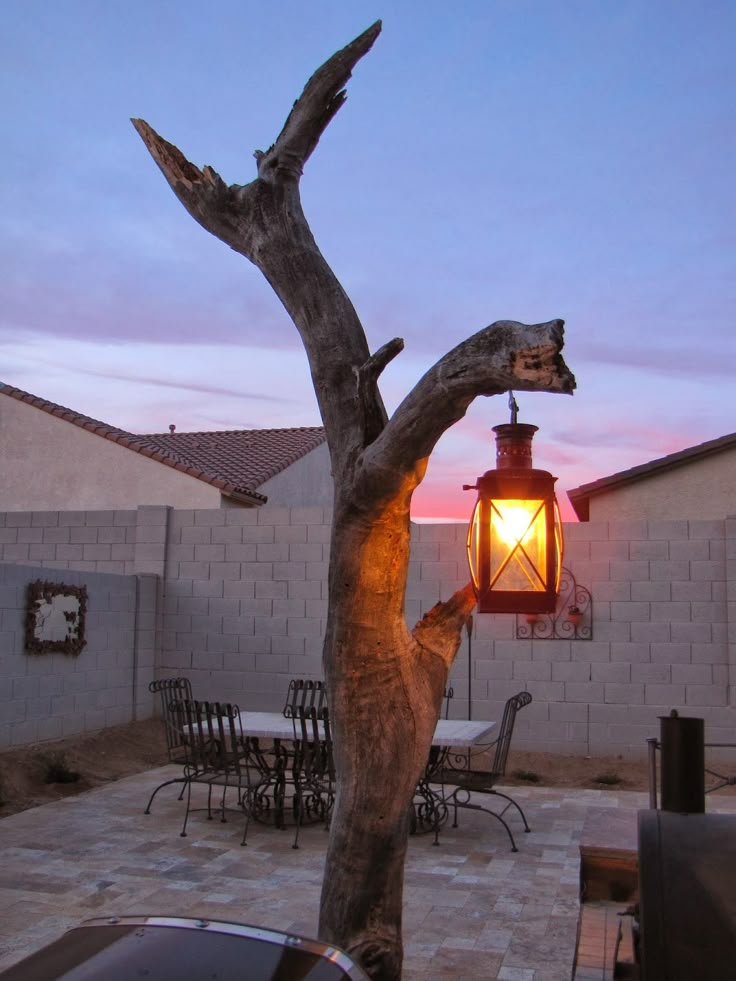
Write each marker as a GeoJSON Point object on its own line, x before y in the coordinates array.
{"type": "Point", "coordinates": [55, 618]}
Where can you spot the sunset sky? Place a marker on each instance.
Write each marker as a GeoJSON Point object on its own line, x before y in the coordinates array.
{"type": "Point", "coordinates": [495, 159]}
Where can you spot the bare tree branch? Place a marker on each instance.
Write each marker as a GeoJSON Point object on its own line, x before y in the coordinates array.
{"type": "Point", "coordinates": [506, 355]}
{"type": "Point", "coordinates": [264, 222]}
{"type": "Point", "coordinates": [374, 414]}
{"type": "Point", "coordinates": [225, 212]}
{"type": "Point", "coordinates": [321, 99]}
{"type": "Point", "coordinates": [440, 628]}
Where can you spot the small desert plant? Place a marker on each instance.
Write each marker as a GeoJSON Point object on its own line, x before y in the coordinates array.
{"type": "Point", "coordinates": [609, 779]}
{"type": "Point", "coordinates": [56, 769]}
{"type": "Point", "coordinates": [529, 776]}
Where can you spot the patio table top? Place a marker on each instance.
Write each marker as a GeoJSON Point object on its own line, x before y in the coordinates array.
{"type": "Point", "coordinates": [451, 733]}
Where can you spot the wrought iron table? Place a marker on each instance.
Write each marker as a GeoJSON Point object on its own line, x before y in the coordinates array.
{"type": "Point", "coordinates": [429, 810]}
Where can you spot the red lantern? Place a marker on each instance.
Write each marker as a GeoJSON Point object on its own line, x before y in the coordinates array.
{"type": "Point", "coordinates": [515, 535]}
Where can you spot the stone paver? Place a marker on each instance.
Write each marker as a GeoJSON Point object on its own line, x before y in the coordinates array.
{"type": "Point", "coordinates": [473, 909]}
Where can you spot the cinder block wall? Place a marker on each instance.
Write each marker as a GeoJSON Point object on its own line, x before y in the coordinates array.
{"type": "Point", "coordinates": [663, 637]}
{"type": "Point", "coordinates": [241, 605]}
{"type": "Point", "coordinates": [245, 604]}
{"type": "Point", "coordinates": [49, 696]}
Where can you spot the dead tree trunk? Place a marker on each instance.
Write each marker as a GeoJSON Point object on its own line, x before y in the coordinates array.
{"type": "Point", "coordinates": [385, 681]}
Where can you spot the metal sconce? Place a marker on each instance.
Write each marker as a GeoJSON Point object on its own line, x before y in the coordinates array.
{"type": "Point", "coordinates": [572, 618]}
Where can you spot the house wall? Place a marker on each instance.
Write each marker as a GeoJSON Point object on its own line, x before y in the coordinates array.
{"type": "Point", "coordinates": [242, 606]}
{"type": "Point", "coordinates": [706, 488]}
{"type": "Point", "coordinates": [49, 696]}
{"type": "Point", "coordinates": [305, 483]}
{"type": "Point", "coordinates": [82, 470]}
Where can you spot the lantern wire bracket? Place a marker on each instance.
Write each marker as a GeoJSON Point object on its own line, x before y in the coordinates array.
{"type": "Point", "coordinates": [572, 619]}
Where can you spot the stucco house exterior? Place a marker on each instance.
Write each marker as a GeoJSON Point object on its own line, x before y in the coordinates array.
{"type": "Point", "coordinates": [54, 458]}
{"type": "Point", "coordinates": [696, 483]}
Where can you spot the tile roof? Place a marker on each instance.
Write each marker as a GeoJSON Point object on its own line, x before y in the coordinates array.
{"type": "Point", "coordinates": [246, 457]}
{"type": "Point", "coordinates": [236, 462]}
{"type": "Point", "coordinates": [580, 496]}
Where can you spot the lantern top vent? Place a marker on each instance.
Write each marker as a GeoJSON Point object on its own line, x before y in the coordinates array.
{"type": "Point", "coordinates": [514, 445]}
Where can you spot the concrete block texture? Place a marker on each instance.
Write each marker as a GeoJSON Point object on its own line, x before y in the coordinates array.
{"type": "Point", "coordinates": [617, 672]}
{"type": "Point", "coordinates": [640, 550]}
{"type": "Point", "coordinates": [290, 534]}
{"type": "Point", "coordinates": [575, 691]}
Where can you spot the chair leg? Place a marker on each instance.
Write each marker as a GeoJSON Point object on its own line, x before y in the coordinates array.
{"type": "Point", "coordinates": [183, 832]}
{"type": "Point", "coordinates": [499, 818]}
{"type": "Point", "coordinates": [161, 786]}
{"type": "Point", "coordinates": [298, 809]}
{"type": "Point", "coordinates": [279, 800]}
{"type": "Point", "coordinates": [478, 807]}
{"type": "Point", "coordinates": [225, 789]}
{"type": "Point", "coordinates": [518, 808]}
{"type": "Point", "coordinates": [440, 816]}
{"type": "Point", "coordinates": [246, 803]}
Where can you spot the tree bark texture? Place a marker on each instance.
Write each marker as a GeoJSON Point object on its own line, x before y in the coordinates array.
{"type": "Point", "coordinates": [385, 680]}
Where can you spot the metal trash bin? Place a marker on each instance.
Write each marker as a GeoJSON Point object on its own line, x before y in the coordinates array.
{"type": "Point", "coordinates": [167, 948]}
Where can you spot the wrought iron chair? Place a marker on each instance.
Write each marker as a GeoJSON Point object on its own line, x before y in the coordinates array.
{"type": "Point", "coordinates": [213, 752]}
{"type": "Point", "coordinates": [173, 692]}
{"type": "Point", "coordinates": [303, 694]}
{"type": "Point", "coordinates": [313, 768]}
{"type": "Point", "coordinates": [458, 772]}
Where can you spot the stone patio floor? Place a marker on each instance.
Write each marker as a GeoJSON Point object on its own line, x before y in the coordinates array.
{"type": "Point", "coordinates": [473, 909]}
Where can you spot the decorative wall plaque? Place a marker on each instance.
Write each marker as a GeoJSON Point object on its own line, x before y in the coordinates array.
{"type": "Point", "coordinates": [55, 618]}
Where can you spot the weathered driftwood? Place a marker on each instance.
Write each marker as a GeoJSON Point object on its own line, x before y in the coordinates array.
{"type": "Point", "coordinates": [385, 681]}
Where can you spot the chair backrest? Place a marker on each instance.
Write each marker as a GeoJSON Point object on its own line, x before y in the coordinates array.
{"type": "Point", "coordinates": [173, 692]}
{"type": "Point", "coordinates": [313, 757]}
{"type": "Point", "coordinates": [513, 705]}
{"type": "Point", "coordinates": [447, 697]}
{"type": "Point", "coordinates": [304, 693]}
{"type": "Point", "coordinates": [212, 736]}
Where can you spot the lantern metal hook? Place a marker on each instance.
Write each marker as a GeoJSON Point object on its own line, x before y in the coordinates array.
{"type": "Point", "coordinates": [514, 408]}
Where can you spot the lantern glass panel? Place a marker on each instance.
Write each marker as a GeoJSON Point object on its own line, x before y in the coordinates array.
{"type": "Point", "coordinates": [559, 546]}
{"type": "Point", "coordinates": [518, 545]}
{"type": "Point", "coordinates": [474, 545]}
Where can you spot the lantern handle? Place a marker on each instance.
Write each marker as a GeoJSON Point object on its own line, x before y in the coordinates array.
{"type": "Point", "coordinates": [514, 408]}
